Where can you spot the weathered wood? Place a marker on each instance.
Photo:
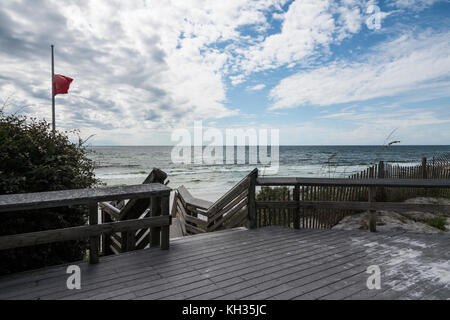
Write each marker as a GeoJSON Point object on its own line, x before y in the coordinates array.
{"type": "Point", "coordinates": [155, 232]}
{"type": "Point", "coordinates": [188, 199]}
{"type": "Point", "coordinates": [228, 207]}
{"type": "Point", "coordinates": [356, 205]}
{"type": "Point", "coordinates": [182, 216]}
{"type": "Point", "coordinates": [424, 168]}
{"type": "Point", "coordinates": [394, 183]}
{"type": "Point", "coordinates": [94, 241]}
{"type": "Point", "coordinates": [110, 209]}
{"type": "Point", "coordinates": [51, 199]}
{"type": "Point", "coordinates": [228, 216]}
{"type": "Point", "coordinates": [165, 230]}
{"type": "Point", "coordinates": [296, 198]}
{"type": "Point", "coordinates": [373, 214]}
{"type": "Point", "coordinates": [81, 232]}
{"type": "Point", "coordinates": [230, 195]}
{"type": "Point", "coordinates": [251, 208]}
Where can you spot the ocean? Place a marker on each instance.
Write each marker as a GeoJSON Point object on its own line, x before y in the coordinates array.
{"type": "Point", "coordinates": [131, 165]}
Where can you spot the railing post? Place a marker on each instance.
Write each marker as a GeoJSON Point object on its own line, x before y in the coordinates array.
{"type": "Point", "coordinates": [106, 238]}
{"type": "Point", "coordinates": [94, 242]}
{"type": "Point", "coordinates": [155, 232]}
{"type": "Point", "coordinates": [296, 197]}
{"type": "Point", "coordinates": [373, 213]}
{"type": "Point", "coordinates": [252, 222]}
{"type": "Point", "coordinates": [424, 168]}
{"type": "Point", "coordinates": [165, 229]}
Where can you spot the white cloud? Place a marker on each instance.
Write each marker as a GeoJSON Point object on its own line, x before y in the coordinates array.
{"type": "Point", "coordinates": [415, 5]}
{"type": "Point", "coordinates": [403, 65]}
{"type": "Point", "coordinates": [257, 87]}
{"type": "Point", "coordinates": [142, 64]}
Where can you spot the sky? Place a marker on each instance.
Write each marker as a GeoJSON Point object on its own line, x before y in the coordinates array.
{"type": "Point", "coordinates": [322, 72]}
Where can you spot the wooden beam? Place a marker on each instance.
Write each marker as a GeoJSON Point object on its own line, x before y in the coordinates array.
{"type": "Point", "coordinates": [165, 230]}
{"type": "Point", "coordinates": [94, 241]}
{"type": "Point", "coordinates": [355, 205]}
{"type": "Point", "coordinates": [77, 233]}
{"type": "Point", "coordinates": [251, 200]}
{"type": "Point", "coordinates": [51, 199]}
{"type": "Point", "coordinates": [395, 183]}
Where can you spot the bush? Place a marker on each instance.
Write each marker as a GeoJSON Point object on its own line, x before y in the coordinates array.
{"type": "Point", "coordinates": [437, 222]}
{"type": "Point", "coordinates": [33, 159]}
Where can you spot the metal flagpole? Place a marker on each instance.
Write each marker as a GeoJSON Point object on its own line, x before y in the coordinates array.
{"type": "Point", "coordinates": [53, 94]}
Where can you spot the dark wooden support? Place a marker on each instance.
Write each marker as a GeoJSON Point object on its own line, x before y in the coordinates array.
{"type": "Point", "coordinates": [373, 213]}
{"type": "Point", "coordinates": [296, 197]}
{"type": "Point", "coordinates": [252, 223]}
{"type": "Point", "coordinates": [165, 230]}
{"type": "Point", "coordinates": [424, 168]}
{"type": "Point", "coordinates": [94, 241]}
{"type": "Point", "coordinates": [130, 240]}
{"type": "Point", "coordinates": [381, 191]}
{"type": "Point", "coordinates": [106, 238]}
{"type": "Point", "coordinates": [155, 232]}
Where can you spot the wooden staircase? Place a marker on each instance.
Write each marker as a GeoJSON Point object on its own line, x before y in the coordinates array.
{"type": "Point", "coordinates": [200, 216]}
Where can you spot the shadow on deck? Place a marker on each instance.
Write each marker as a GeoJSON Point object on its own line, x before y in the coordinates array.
{"type": "Point", "coordinates": [264, 263]}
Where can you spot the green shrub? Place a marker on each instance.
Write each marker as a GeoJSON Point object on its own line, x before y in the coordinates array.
{"type": "Point", "coordinates": [33, 159]}
{"type": "Point", "coordinates": [437, 222]}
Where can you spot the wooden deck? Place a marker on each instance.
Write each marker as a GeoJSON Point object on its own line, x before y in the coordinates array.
{"type": "Point", "coordinates": [263, 263]}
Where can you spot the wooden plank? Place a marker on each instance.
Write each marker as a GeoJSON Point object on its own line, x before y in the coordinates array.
{"type": "Point", "coordinates": [165, 230]}
{"type": "Point", "coordinates": [353, 205]}
{"type": "Point", "coordinates": [76, 233]}
{"type": "Point", "coordinates": [373, 214]}
{"type": "Point", "coordinates": [412, 183]}
{"type": "Point", "coordinates": [94, 241]}
{"type": "Point", "coordinates": [231, 194]}
{"type": "Point", "coordinates": [251, 200]}
{"type": "Point", "coordinates": [190, 200]}
{"type": "Point", "coordinates": [110, 209]}
{"type": "Point", "coordinates": [229, 215]}
{"type": "Point", "coordinates": [155, 232]}
{"type": "Point", "coordinates": [227, 208]}
{"type": "Point", "coordinates": [40, 200]}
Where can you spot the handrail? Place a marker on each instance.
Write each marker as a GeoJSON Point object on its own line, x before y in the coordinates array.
{"type": "Point", "coordinates": [52, 199]}
{"type": "Point", "coordinates": [159, 222]}
{"type": "Point", "coordinates": [372, 184]}
{"type": "Point", "coordinates": [400, 183]}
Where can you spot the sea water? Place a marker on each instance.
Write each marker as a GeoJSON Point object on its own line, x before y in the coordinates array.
{"type": "Point", "coordinates": [131, 165]}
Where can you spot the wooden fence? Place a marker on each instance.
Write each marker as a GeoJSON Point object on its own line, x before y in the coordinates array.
{"type": "Point", "coordinates": [321, 203]}
{"type": "Point", "coordinates": [155, 193]}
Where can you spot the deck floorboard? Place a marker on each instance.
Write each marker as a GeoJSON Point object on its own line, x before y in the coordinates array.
{"type": "Point", "coordinates": [265, 263]}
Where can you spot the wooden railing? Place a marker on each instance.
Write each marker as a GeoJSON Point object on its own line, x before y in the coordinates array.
{"type": "Point", "coordinates": [199, 216]}
{"type": "Point", "coordinates": [158, 223]}
{"type": "Point", "coordinates": [299, 209]}
{"type": "Point", "coordinates": [119, 210]}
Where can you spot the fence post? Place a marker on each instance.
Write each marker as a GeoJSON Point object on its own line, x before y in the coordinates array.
{"type": "Point", "coordinates": [165, 230]}
{"type": "Point", "coordinates": [252, 223]}
{"type": "Point", "coordinates": [373, 213]}
{"type": "Point", "coordinates": [424, 168]}
{"type": "Point", "coordinates": [94, 242]}
{"type": "Point", "coordinates": [381, 190]}
{"type": "Point", "coordinates": [296, 197]}
{"type": "Point", "coordinates": [155, 232]}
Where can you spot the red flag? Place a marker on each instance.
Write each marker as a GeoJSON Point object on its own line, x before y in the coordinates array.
{"type": "Point", "coordinates": [61, 84]}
